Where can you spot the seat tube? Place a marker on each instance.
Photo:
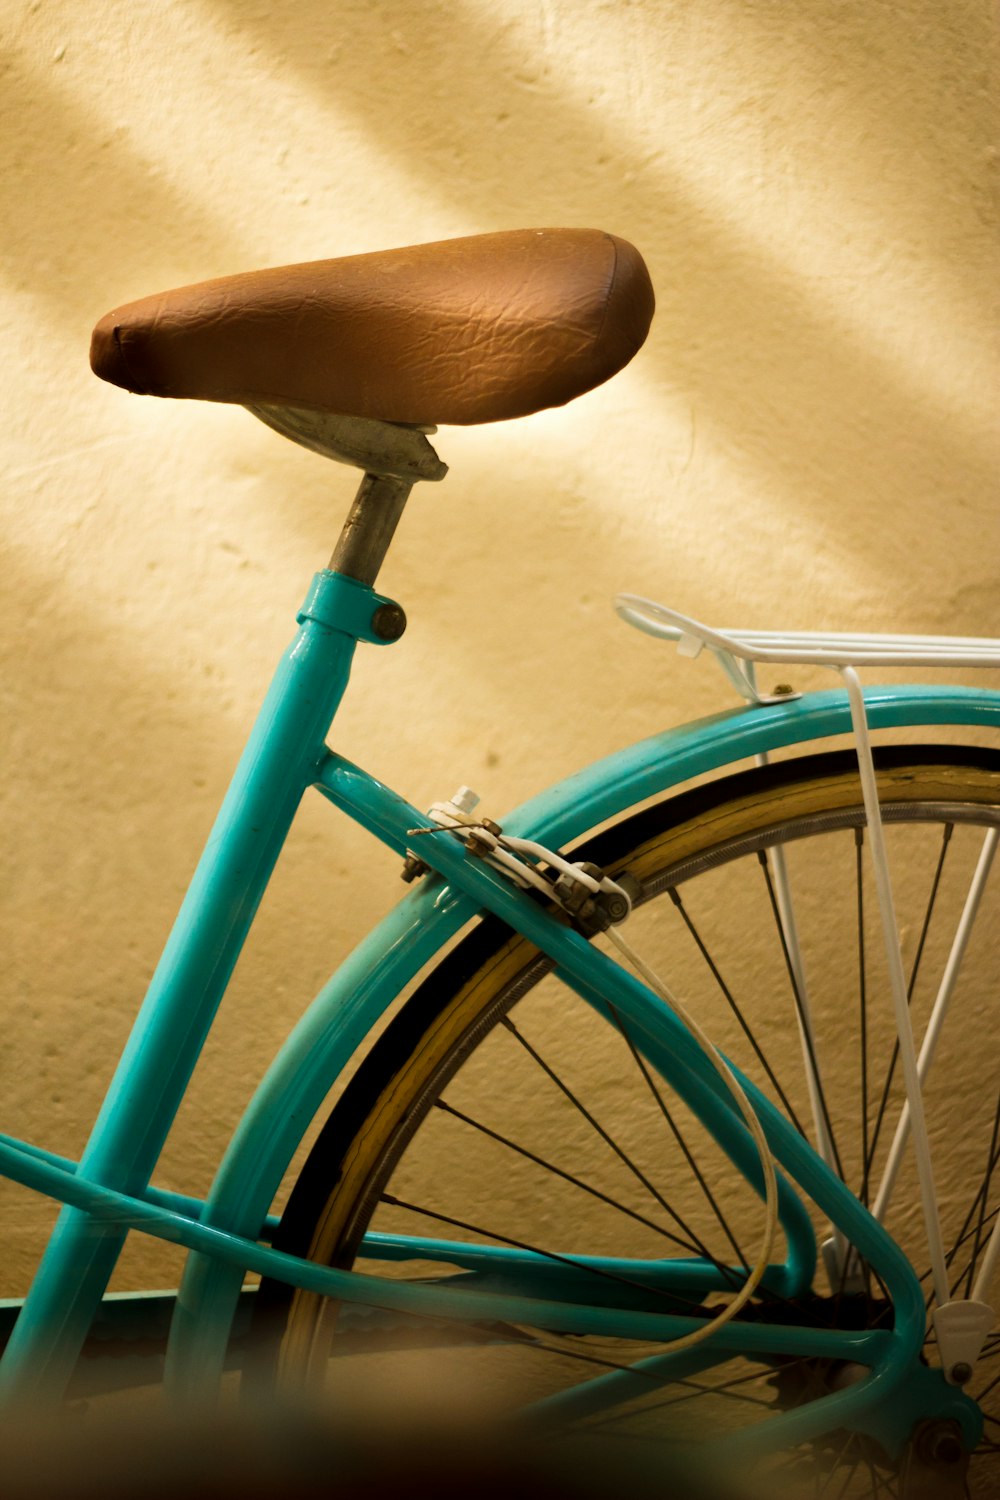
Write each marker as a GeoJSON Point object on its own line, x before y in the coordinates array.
{"type": "Point", "coordinates": [279, 762]}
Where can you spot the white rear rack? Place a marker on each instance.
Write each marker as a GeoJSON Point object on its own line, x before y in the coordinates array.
{"type": "Point", "coordinates": [737, 652]}
{"type": "Point", "coordinates": [802, 647]}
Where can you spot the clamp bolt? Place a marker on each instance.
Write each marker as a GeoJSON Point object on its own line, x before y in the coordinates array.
{"type": "Point", "coordinates": [477, 845]}
{"type": "Point", "coordinates": [616, 907]}
{"type": "Point", "coordinates": [961, 1373]}
{"type": "Point", "coordinates": [388, 622]}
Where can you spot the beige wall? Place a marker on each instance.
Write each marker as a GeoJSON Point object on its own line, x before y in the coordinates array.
{"type": "Point", "coordinates": [809, 436]}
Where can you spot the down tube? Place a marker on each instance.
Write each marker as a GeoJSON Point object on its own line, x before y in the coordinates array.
{"type": "Point", "coordinates": [357, 995]}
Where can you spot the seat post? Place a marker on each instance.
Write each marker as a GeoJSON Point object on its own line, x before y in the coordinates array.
{"type": "Point", "coordinates": [392, 456]}
{"type": "Point", "coordinates": [370, 526]}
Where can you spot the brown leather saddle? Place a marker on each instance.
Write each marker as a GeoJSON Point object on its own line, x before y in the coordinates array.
{"type": "Point", "coordinates": [461, 331]}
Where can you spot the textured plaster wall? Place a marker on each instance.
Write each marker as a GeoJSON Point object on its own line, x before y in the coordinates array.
{"type": "Point", "coordinates": [809, 436]}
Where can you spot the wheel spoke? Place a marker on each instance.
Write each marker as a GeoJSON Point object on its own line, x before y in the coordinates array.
{"type": "Point", "coordinates": [965, 1234]}
{"type": "Point", "coordinates": [682, 1143]}
{"type": "Point", "coordinates": [692, 1389]}
{"type": "Point", "coordinates": [984, 1195]}
{"type": "Point", "coordinates": [581, 1108]}
{"type": "Point", "coordinates": [800, 1010]}
{"type": "Point", "coordinates": [552, 1255]}
{"type": "Point", "coordinates": [730, 1000]}
{"type": "Point", "coordinates": [980, 1395]}
{"type": "Point", "coordinates": [564, 1352]}
{"type": "Point", "coordinates": [910, 988]}
{"type": "Point", "coordinates": [549, 1166]}
{"type": "Point", "coordinates": [848, 1443]}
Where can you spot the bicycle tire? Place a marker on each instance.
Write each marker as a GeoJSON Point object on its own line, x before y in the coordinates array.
{"type": "Point", "coordinates": [688, 843]}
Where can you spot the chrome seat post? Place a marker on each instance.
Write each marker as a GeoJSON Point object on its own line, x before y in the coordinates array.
{"type": "Point", "coordinates": [370, 526]}
{"type": "Point", "coordinates": [393, 458]}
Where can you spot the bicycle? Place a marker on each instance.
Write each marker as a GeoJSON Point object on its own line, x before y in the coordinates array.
{"type": "Point", "coordinates": [514, 924]}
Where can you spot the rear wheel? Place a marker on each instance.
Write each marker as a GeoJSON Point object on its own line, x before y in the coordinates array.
{"type": "Point", "coordinates": [498, 1110]}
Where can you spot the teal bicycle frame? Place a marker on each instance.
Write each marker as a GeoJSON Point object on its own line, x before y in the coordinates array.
{"type": "Point", "coordinates": [108, 1192]}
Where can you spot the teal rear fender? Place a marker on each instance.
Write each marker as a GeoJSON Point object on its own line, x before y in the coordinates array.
{"type": "Point", "coordinates": [355, 997]}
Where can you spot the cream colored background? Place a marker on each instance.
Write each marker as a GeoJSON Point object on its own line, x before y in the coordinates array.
{"type": "Point", "coordinates": [809, 436]}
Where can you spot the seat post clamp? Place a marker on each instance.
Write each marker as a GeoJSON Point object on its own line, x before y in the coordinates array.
{"type": "Point", "coordinates": [341, 603]}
